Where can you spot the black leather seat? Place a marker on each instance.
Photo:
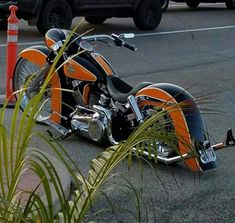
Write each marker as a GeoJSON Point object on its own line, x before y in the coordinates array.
{"type": "Point", "coordinates": [120, 90]}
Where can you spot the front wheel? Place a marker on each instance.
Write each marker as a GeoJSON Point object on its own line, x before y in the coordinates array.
{"type": "Point", "coordinates": [25, 72]}
{"type": "Point", "coordinates": [149, 14]}
{"type": "Point", "coordinates": [55, 14]}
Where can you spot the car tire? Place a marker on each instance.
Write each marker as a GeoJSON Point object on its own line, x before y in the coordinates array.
{"type": "Point", "coordinates": [230, 4]}
{"type": "Point", "coordinates": [192, 3]}
{"type": "Point", "coordinates": [164, 4]}
{"type": "Point", "coordinates": [3, 24]}
{"type": "Point", "coordinates": [95, 19]}
{"type": "Point", "coordinates": [148, 15]}
{"type": "Point", "coordinates": [55, 14]}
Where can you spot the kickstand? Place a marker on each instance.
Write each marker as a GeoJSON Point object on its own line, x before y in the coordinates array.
{"type": "Point", "coordinates": [54, 137]}
{"type": "Point", "coordinates": [229, 140]}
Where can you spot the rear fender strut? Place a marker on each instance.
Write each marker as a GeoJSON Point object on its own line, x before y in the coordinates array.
{"type": "Point", "coordinates": [228, 142]}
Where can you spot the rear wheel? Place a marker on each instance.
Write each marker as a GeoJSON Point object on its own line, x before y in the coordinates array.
{"type": "Point", "coordinates": [3, 24]}
{"type": "Point", "coordinates": [55, 14]}
{"type": "Point", "coordinates": [185, 115]}
{"type": "Point", "coordinates": [166, 145]}
{"type": "Point", "coordinates": [192, 3]}
{"type": "Point", "coordinates": [230, 4]}
{"type": "Point", "coordinates": [95, 19]}
{"type": "Point", "coordinates": [25, 73]}
{"type": "Point", "coordinates": [149, 14]}
{"type": "Point", "coordinates": [164, 4]}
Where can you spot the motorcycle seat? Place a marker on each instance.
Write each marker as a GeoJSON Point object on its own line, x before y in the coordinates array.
{"type": "Point", "coordinates": [120, 90]}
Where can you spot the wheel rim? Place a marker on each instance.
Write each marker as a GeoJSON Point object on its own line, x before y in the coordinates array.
{"type": "Point", "coordinates": [26, 71]}
{"type": "Point", "coordinates": [57, 18]}
{"type": "Point", "coordinates": [166, 124]}
{"type": "Point", "coordinates": [150, 15]}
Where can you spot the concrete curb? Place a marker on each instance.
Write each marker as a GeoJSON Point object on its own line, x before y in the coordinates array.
{"type": "Point", "coordinates": [30, 181]}
{"type": "Point", "coordinates": [2, 101]}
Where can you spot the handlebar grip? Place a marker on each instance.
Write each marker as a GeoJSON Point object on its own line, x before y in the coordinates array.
{"type": "Point", "coordinates": [130, 46]}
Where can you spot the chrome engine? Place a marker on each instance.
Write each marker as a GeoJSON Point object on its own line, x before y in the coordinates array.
{"type": "Point", "coordinates": [96, 126]}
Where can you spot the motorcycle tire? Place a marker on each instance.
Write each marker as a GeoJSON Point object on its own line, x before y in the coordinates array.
{"type": "Point", "coordinates": [148, 15]}
{"type": "Point", "coordinates": [55, 14]}
{"type": "Point", "coordinates": [25, 70]}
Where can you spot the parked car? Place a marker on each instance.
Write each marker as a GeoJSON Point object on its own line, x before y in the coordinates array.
{"type": "Point", "coordinates": [46, 14]}
{"type": "Point", "coordinates": [230, 4]}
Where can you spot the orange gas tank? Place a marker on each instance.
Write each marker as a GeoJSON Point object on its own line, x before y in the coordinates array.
{"type": "Point", "coordinates": [79, 68]}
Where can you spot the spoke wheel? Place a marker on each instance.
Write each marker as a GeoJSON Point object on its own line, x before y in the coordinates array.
{"type": "Point", "coordinates": [25, 73]}
{"type": "Point", "coordinates": [166, 145]}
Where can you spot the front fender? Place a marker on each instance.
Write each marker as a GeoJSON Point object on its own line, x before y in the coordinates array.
{"type": "Point", "coordinates": [36, 54]}
{"type": "Point", "coordinates": [185, 114]}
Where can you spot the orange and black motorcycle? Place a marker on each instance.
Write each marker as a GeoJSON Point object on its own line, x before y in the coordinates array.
{"type": "Point", "coordinates": [100, 106]}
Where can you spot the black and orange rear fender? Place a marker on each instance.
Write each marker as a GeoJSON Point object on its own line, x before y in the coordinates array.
{"type": "Point", "coordinates": [184, 112]}
{"type": "Point", "coordinates": [38, 55]}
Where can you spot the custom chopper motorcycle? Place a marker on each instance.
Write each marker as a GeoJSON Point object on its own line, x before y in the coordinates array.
{"type": "Point", "coordinates": [85, 96]}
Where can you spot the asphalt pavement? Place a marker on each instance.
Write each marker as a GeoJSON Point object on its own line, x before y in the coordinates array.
{"type": "Point", "coordinates": [196, 50]}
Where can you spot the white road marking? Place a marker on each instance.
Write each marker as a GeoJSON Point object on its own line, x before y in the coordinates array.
{"type": "Point", "coordinates": [184, 31]}
{"type": "Point", "coordinates": [24, 44]}
{"type": "Point", "coordinates": [149, 34]}
{"type": "Point", "coordinates": [175, 5]}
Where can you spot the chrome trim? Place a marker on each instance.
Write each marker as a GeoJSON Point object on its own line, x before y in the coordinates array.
{"type": "Point", "coordinates": [148, 98]}
{"type": "Point", "coordinates": [97, 37]}
{"type": "Point", "coordinates": [134, 107]}
{"type": "Point", "coordinates": [165, 160]}
{"type": "Point", "coordinates": [108, 115]}
{"type": "Point", "coordinates": [61, 129]}
{"type": "Point", "coordinates": [79, 124]}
